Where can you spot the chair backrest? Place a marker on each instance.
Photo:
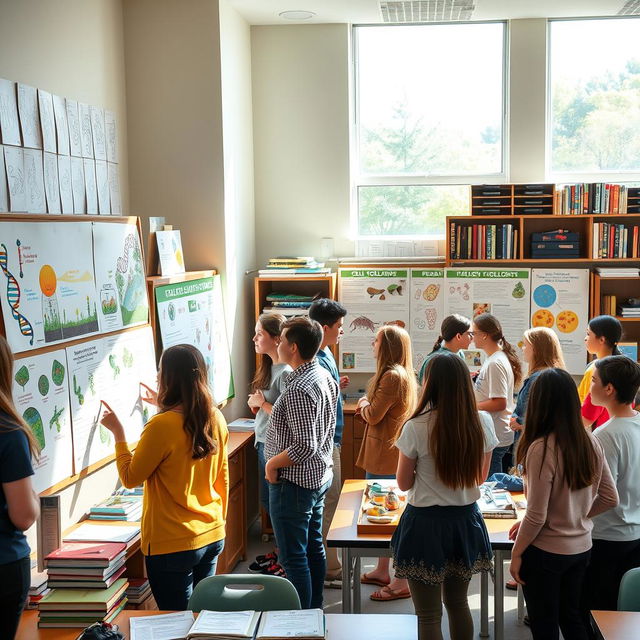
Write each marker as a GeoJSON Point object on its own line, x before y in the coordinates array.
{"type": "Point", "coordinates": [629, 593]}
{"type": "Point", "coordinates": [237, 592]}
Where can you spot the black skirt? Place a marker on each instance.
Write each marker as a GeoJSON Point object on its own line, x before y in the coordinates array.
{"type": "Point", "coordinates": [434, 543]}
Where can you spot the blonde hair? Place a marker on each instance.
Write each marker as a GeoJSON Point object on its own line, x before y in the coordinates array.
{"type": "Point", "coordinates": [394, 354]}
{"type": "Point", "coordinates": [545, 348]}
{"type": "Point", "coordinates": [16, 421]}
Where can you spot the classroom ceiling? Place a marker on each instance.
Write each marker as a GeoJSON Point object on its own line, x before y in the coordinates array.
{"type": "Point", "coordinates": [267, 12]}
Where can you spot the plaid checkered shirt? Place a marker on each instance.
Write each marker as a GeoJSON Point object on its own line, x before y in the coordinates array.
{"type": "Point", "coordinates": [303, 422]}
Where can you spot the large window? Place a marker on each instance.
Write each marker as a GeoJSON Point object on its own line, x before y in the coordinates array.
{"type": "Point", "coordinates": [594, 99]}
{"type": "Point", "coordinates": [430, 105]}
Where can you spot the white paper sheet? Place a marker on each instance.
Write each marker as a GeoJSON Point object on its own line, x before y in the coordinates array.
{"type": "Point", "coordinates": [111, 134]}
{"type": "Point", "coordinates": [102, 184]}
{"type": "Point", "coordinates": [34, 177]}
{"type": "Point", "coordinates": [51, 183]}
{"type": "Point", "coordinates": [14, 167]}
{"type": "Point", "coordinates": [9, 123]}
{"type": "Point", "coordinates": [86, 137]}
{"type": "Point", "coordinates": [73, 120]}
{"type": "Point", "coordinates": [97, 131]}
{"type": "Point", "coordinates": [89, 532]}
{"type": "Point", "coordinates": [47, 121]}
{"type": "Point", "coordinates": [91, 190]}
{"type": "Point", "coordinates": [168, 626]}
{"type": "Point", "coordinates": [62, 126]}
{"type": "Point", "coordinates": [77, 185]}
{"type": "Point", "coordinates": [29, 120]}
{"type": "Point", "coordinates": [114, 189]}
{"type": "Point", "coordinates": [4, 192]}
{"type": "Point", "coordinates": [64, 178]}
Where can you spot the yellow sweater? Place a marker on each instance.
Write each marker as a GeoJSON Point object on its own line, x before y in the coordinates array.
{"type": "Point", "coordinates": [185, 500]}
{"type": "Point", "coordinates": [585, 384]}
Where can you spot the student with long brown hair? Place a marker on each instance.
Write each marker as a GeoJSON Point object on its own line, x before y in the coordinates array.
{"type": "Point", "coordinates": [390, 399]}
{"type": "Point", "coordinates": [19, 505]}
{"type": "Point", "coordinates": [181, 458]}
{"type": "Point", "coordinates": [441, 539]}
{"type": "Point", "coordinates": [567, 482]}
{"type": "Point", "coordinates": [266, 387]}
{"type": "Point", "coordinates": [494, 386]}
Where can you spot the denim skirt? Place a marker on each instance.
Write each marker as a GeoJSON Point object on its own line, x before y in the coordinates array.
{"type": "Point", "coordinates": [434, 543]}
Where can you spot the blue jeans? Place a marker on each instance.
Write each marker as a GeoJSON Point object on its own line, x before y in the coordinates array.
{"type": "Point", "coordinates": [378, 476]}
{"type": "Point", "coordinates": [172, 576]}
{"type": "Point", "coordinates": [296, 517]}
{"type": "Point", "coordinates": [262, 481]}
{"type": "Point", "coordinates": [496, 460]}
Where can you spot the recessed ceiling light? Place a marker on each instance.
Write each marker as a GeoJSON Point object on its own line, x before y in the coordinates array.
{"type": "Point", "coordinates": [297, 15]}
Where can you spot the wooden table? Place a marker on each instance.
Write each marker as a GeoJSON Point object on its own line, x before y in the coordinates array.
{"type": "Point", "coordinates": [616, 625]}
{"type": "Point", "coordinates": [343, 534]}
{"type": "Point", "coordinates": [339, 626]}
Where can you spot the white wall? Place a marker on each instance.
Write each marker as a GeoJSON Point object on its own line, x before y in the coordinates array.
{"type": "Point", "coordinates": [72, 48]}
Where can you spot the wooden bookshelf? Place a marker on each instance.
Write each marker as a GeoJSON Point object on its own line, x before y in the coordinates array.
{"type": "Point", "coordinates": [512, 199]}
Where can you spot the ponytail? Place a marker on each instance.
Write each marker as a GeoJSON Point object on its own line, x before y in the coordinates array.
{"type": "Point", "coordinates": [610, 329]}
{"type": "Point", "coordinates": [451, 326]}
{"type": "Point", "coordinates": [437, 344]}
{"type": "Point", "coordinates": [490, 325]}
{"type": "Point", "coordinates": [514, 361]}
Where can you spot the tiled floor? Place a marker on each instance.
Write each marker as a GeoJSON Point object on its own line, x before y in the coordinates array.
{"type": "Point", "coordinates": [333, 601]}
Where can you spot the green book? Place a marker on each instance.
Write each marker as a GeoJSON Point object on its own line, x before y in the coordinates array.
{"type": "Point", "coordinates": [84, 599]}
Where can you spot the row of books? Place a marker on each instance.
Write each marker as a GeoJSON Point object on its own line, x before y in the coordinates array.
{"type": "Point", "coordinates": [627, 310]}
{"type": "Point", "coordinates": [305, 624]}
{"type": "Point", "coordinates": [594, 197]}
{"type": "Point", "coordinates": [123, 504]}
{"type": "Point", "coordinates": [289, 305]}
{"type": "Point", "coordinates": [609, 305]}
{"type": "Point", "coordinates": [483, 242]}
{"type": "Point", "coordinates": [38, 589]}
{"type": "Point", "coordinates": [615, 241]}
{"type": "Point", "coordinates": [288, 266]}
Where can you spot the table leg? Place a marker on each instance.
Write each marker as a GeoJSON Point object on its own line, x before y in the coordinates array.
{"type": "Point", "coordinates": [520, 604]}
{"type": "Point", "coordinates": [484, 604]}
{"type": "Point", "coordinates": [498, 597]}
{"type": "Point", "coordinates": [357, 604]}
{"type": "Point", "coordinates": [346, 580]}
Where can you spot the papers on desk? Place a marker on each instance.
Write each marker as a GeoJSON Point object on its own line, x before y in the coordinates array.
{"type": "Point", "coordinates": [495, 503]}
{"type": "Point", "coordinates": [307, 624]}
{"type": "Point", "coordinates": [224, 625]}
{"type": "Point", "coordinates": [89, 532]}
{"type": "Point", "coordinates": [242, 424]}
{"type": "Point", "coordinates": [169, 626]}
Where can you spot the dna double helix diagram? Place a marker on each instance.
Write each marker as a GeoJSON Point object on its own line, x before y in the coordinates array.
{"type": "Point", "coordinates": [13, 296]}
{"type": "Point", "coordinates": [123, 263]}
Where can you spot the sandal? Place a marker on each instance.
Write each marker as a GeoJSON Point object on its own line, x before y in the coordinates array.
{"type": "Point", "coordinates": [511, 584]}
{"type": "Point", "coordinates": [365, 579]}
{"type": "Point", "coordinates": [387, 593]}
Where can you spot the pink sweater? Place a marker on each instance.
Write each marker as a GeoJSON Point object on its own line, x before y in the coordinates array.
{"type": "Point", "coordinates": [558, 520]}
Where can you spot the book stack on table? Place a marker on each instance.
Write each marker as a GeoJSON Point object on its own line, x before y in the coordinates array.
{"type": "Point", "coordinates": [294, 266]}
{"type": "Point", "coordinates": [124, 504]}
{"type": "Point", "coordinates": [138, 591]}
{"type": "Point", "coordinates": [38, 589]}
{"type": "Point", "coordinates": [86, 584]}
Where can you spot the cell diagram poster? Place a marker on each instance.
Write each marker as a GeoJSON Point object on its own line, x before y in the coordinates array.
{"type": "Point", "coordinates": [426, 311]}
{"type": "Point", "coordinates": [41, 396]}
{"type": "Point", "coordinates": [109, 369]}
{"type": "Point", "coordinates": [373, 298]}
{"type": "Point", "coordinates": [49, 290]}
{"type": "Point", "coordinates": [119, 273]}
{"type": "Point", "coordinates": [502, 292]}
{"type": "Point", "coordinates": [560, 301]}
{"type": "Point", "coordinates": [192, 312]}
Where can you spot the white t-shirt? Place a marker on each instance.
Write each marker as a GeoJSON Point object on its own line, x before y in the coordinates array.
{"type": "Point", "coordinates": [620, 439]}
{"type": "Point", "coordinates": [495, 380]}
{"type": "Point", "coordinates": [428, 490]}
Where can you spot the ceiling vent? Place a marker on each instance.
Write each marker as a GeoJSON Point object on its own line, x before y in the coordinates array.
{"type": "Point", "coordinates": [631, 8]}
{"type": "Point", "coordinates": [430, 10]}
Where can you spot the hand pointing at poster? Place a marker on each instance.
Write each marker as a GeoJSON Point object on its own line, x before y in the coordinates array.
{"type": "Point", "coordinates": [111, 421]}
{"type": "Point", "coordinates": [150, 396]}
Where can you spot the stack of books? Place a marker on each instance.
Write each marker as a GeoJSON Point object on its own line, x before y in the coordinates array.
{"type": "Point", "coordinates": [38, 589]}
{"type": "Point", "coordinates": [609, 305]}
{"type": "Point", "coordinates": [292, 266]}
{"type": "Point", "coordinates": [288, 304]}
{"type": "Point", "coordinates": [82, 607]}
{"type": "Point", "coordinates": [483, 241]}
{"type": "Point", "coordinates": [124, 504]}
{"type": "Point", "coordinates": [629, 310]}
{"type": "Point", "coordinates": [618, 272]}
{"type": "Point", "coordinates": [595, 197]}
{"type": "Point", "coordinates": [138, 591]}
{"type": "Point", "coordinates": [615, 241]}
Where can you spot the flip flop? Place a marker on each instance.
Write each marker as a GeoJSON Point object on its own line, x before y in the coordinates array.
{"type": "Point", "coordinates": [365, 579]}
{"type": "Point", "coordinates": [387, 593]}
{"type": "Point", "coordinates": [511, 584]}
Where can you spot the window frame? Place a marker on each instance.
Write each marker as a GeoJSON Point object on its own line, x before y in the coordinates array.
{"type": "Point", "coordinates": [360, 180]}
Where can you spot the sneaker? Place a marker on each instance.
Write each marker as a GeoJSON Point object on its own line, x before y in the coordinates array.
{"type": "Point", "coordinates": [525, 620]}
{"type": "Point", "coordinates": [263, 562]}
{"type": "Point", "coordinates": [274, 569]}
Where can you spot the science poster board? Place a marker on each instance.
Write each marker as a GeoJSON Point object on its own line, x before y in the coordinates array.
{"type": "Point", "coordinates": [501, 292]}
{"type": "Point", "coordinates": [49, 293]}
{"type": "Point", "coordinates": [560, 301]}
{"type": "Point", "coordinates": [170, 252]}
{"type": "Point", "coordinates": [41, 396]}
{"type": "Point", "coordinates": [120, 279]}
{"type": "Point", "coordinates": [373, 297]}
{"type": "Point", "coordinates": [110, 369]}
{"type": "Point", "coordinates": [426, 311]}
{"type": "Point", "coordinates": [192, 312]}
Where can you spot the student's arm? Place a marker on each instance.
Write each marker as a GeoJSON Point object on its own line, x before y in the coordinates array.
{"type": "Point", "coordinates": [221, 483]}
{"type": "Point", "coordinates": [496, 383]}
{"type": "Point", "coordinates": [590, 412]}
{"type": "Point", "coordinates": [23, 506]}
{"type": "Point", "coordinates": [486, 463]}
{"type": "Point", "coordinates": [407, 458]}
{"type": "Point", "coordinates": [607, 496]}
{"type": "Point", "coordinates": [492, 405]}
{"type": "Point", "coordinates": [385, 396]}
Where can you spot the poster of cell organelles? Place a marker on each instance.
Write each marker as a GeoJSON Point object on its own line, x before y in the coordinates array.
{"type": "Point", "coordinates": [114, 189]}
{"type": "Point", "coordinates": [48, 294]}
{"type": "Point", "coordinates": [102, 183]}
{"type": "Point", "coordinates": [14, 167]}
{"type": "Point", "coordinates": [119, 273]}
{"type": "Point", "coordinates": [51, 182]}
{"type": "Point", "coordinates": [77, 185]}
{"type": "Point", "coordinates": [86, 137]}
{"type": "Point", "coordinates": [192, 312]}
{"type": "Point", "coordinates": [4, 192]}
{"type": "Point", "coordinates": [62, 126]}
{"type": "Point", "coordinates": [426, 311]}
{"type": "Point", "coordinates": [560, 301]}
{"type": "Point", "coordinates": [91, 190]}
{"type": "Point", "coordinates": [73, 120]}
{"type": "Point", "coordinates": [109, 369]}
{"type": "Point", "coordinates": [29, 120]}
{"type": "Point", "coordinates": [9, 123]}
{"type": "Point", "coordinates": [501, 292]}
{"type": "Point", "coordinates": [34, 181]}
{"type": "Point", "coordinates": [64, 179]}
{"type": "Point", "coordinates": [111, 135]}
{"type": "Point", "coordinates": [373, 298]}
{"type": "Point", "coordinates": [47, 121]}
{"type": "Point", "coordinates": [41, 396]}
{"type": "Point", "coordinates": [97, 131]}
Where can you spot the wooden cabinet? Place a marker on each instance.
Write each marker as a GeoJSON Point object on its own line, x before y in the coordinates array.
{"type": "Point", "coordinates": [508, 199]}
{"type": "Point", "coordinates": [351, 442]}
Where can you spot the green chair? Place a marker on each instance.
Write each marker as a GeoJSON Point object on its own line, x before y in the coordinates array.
{"type": "Point", "coordinates": [629, 593]}
{"type": "Point", "coordinates": [239, 592]}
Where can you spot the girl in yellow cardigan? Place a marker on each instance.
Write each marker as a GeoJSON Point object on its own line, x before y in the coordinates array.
{"type": "Point", "coordinates": [181, 458]}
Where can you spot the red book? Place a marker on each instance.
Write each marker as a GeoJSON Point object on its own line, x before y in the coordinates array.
{"type": "Point", "coordinates": [91, 554]}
